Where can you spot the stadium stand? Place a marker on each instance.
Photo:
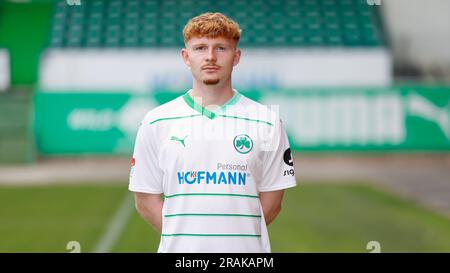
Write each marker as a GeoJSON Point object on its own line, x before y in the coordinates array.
{"type": "Point", "coordinates": [133, 45]}
{"type": "Point", "coordinates": [270, 23]}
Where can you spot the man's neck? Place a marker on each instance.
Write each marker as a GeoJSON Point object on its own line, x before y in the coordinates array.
{"type": "Point", "coordinates": [211, 96]}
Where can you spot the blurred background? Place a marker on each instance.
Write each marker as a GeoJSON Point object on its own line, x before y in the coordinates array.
{"type": "Point", "coordinates": [363, 88]}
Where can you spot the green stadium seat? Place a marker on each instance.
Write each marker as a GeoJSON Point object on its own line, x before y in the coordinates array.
{"type": "Point", "coordinates": [152, 23]}
{"type": "Point", "coordinates": [93, 38]}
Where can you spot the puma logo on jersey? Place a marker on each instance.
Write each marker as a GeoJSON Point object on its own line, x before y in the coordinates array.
{"type": "Point", "coordinates": [179, 139]}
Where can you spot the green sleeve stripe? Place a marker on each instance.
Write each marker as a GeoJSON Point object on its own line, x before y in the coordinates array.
{"type": "Point", "coordinates": [160, 119]}
{"type": "Point", "coordinates": [248, 119]}
{"type": "Point", "coordinates": [209, 234]}
{"type": "Point", "coordinates": [212, 214]}
{"type": "Point", "coordinates": [211, 194]}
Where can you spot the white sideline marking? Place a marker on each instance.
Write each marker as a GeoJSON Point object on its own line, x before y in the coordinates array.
{"type": "Point", "coordinates": [116, 225]}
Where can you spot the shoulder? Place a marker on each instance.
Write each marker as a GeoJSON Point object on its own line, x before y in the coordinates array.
{"type": "Point", "coordinates": [247, 102]}
{"type": "Point", "coordinates": [169, 109]}
{"type": "Point", "coordinates": [255, 110]}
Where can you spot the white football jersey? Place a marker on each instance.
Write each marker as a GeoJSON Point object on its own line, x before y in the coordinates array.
{"type": "Point", "coordinates": [211, 167]}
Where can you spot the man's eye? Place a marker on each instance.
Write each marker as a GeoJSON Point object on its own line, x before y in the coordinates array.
{"type": "Point", "coordinates": [200, 48]}
{"type": "Point", "coordinates": [221, 48]}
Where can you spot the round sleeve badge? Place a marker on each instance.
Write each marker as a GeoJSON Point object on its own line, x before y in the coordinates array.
{"type": "Point", "coordinates": [243, 143]}
{"type": "Point", "coordinates": [287, 157]}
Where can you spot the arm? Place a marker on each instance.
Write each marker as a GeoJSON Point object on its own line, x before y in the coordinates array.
{"type": "Point", "coordinates": [150, 207]}
{"type": "Point", "coordinates": [271, 204]}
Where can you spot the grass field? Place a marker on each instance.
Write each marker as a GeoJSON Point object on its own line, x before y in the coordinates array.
{"type": "Point", "coordinates": [315, 218]}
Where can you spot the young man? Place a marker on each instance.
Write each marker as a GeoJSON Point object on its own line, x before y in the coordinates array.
{"type": "Point", "coordinates": [221, 160]}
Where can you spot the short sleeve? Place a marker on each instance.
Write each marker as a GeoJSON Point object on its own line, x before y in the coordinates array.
{"type": "Point", "coordinates": [145, 175]}
{"type": "Point", "coordinates": [278, 164]}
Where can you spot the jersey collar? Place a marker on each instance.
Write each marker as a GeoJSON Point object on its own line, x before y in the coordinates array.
{"type": "Point", "coordinates": [208, 113]}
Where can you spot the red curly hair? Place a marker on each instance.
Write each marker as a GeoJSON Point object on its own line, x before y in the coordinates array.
{"type": "Point", "coordinates": [211, 25]}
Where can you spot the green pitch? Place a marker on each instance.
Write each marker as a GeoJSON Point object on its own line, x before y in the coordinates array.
{"type": "Point", "coordinates": [315, 218]}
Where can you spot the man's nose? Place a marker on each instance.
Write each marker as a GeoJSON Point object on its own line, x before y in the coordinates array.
{"type": "Point", "coordinates": [211, 55]}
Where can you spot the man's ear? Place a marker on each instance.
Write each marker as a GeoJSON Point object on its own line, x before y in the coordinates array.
{"type": "Point", "coordinates": [237, 57]}
{"type": "Point", "coordinates": [185, 56]}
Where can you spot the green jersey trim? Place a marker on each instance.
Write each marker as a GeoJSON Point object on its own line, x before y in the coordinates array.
{"type": "Point", "coordinates": [210, 114]}
{"type": "Point", "coordinates": [202, 110]}
{"type": "Point", "coordinates": [211, 194]}
{"type": "Point", "coordinates": [197, 107]}
{"type": "Point", "coordinates": [169, 118]}
{"type": "Point", "coordinates": [223, 116]}
{"type": "Point", "coordinates": [200, 234]}
{"type": "Point", "coordinates": [212, 214]}
{"type": "Point", "coordinates": [248, 119]}
{"type": "Point", "coordinates": [230, 102]}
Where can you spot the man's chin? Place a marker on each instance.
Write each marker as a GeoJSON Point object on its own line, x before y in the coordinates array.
{"type": "Point", "coordinates": [211, 81]}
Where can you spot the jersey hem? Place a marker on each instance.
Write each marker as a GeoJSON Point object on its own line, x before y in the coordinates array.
{"type": "Point", "coordinates": [280, 187]}
{"type": "Point", "coordinates": [133, 189]}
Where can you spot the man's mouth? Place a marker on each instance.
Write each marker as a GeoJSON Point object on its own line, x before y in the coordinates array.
{"type": "Point", "coordinates": [210, 68]}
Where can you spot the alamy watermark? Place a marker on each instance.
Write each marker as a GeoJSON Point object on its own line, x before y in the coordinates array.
{"type": "Point", "coordinates": [373, 2]}
{"type": "Point", "coordinates": [73, 2]}
{"type": "Point", "coordinates": [374, 246]}
{"type": "Point", "coordinates": [74, 246]}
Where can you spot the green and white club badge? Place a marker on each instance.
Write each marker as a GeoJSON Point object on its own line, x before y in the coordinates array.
{"type": "Point", "coordinates": [243, 143]}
